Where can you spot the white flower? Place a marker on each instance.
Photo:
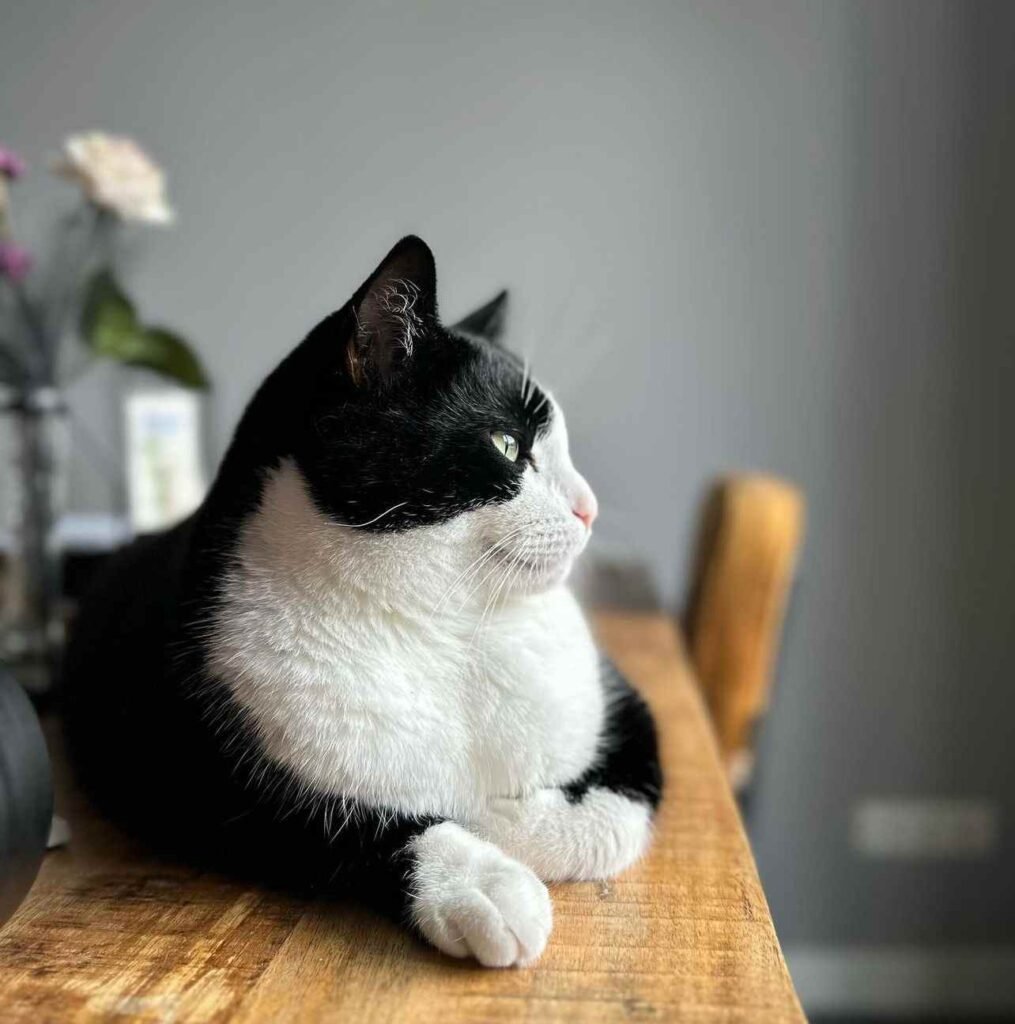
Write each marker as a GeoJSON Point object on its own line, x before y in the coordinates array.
{"type": "Point", "coordinates": [115, 173]}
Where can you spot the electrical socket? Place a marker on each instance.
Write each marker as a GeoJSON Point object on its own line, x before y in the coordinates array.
{"type": "Point", "coordinates": [918, 828]}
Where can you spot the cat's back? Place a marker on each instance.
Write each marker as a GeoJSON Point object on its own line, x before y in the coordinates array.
{"type": "Point", "coordinates": [118, 693]}
{"type": "Point", "coordinates": [134, 599]}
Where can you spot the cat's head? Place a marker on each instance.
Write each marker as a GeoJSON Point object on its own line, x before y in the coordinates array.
{"type": "Point", "coordinates": [405, 425]}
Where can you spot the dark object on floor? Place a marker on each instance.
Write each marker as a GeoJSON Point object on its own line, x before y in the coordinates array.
{"type": "Point", "coordinates": [909, 1019]}
{"type": "Point", "coordinates": [26, 795]}
{"type": "Point", "coordinates": [623, 584]}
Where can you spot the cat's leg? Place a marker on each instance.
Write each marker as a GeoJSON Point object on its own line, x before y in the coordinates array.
{"type": "Point", "coordinates": [596, 836]}
{"type": "Point", "coordinates": [600, 824]}
{"type": "Point", "coordinates": [464, 895]}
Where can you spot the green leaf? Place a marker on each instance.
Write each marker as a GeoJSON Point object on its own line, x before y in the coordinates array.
{"type": "Point", "coordinates": [110, 326]}
{"type": "Point", "coordinates": [162, 351]}
{"type": "Point", "coordinates": [108, 319]}
{"type": "Point", "coordinates": [167, 353]}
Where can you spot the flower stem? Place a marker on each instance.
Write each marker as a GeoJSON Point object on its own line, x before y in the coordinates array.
{"type": "Point", "coordinates": [66, 292]}
{"type": "Point", "coordinates": [10, 360]}
{"type": "Point", "coordinates": [38, 347]}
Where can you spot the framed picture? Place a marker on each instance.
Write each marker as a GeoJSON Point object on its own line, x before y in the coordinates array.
{"type": "Point", "coordinates": [165, 476]}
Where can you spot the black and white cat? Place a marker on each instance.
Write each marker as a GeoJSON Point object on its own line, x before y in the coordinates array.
{"type": "Point", "coordinates": [356, 668]}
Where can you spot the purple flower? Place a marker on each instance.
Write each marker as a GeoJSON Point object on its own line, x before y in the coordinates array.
{"type": "Point", "coordinates": [15, 261]}
{"type": "Point", "coordinates": [12, 166]}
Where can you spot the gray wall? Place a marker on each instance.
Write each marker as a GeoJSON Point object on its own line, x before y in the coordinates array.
{"type": "Point", "coordinates": [900, 680]}
{"type": "Point", "coordinates": [770, 235]}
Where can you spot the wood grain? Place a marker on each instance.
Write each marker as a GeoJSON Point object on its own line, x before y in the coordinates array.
{"type": "Point", "coordinates": [109, 933]}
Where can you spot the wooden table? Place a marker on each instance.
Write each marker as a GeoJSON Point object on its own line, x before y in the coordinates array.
{"type": "Point", "coordinates": [109, 933]}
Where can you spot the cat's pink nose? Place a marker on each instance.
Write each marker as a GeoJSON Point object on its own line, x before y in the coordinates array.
{"type": "Point", "coordinates": [586, 508]}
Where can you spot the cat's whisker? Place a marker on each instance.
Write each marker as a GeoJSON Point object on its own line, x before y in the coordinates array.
{"type": "Point", "coordinates": [505, 570]}
{"type": "Point", "coordinates": [542, 402]}
{"type": "Point", "coordinates": [491, 602]}
{"type": "Point", "coordinates": [473, 568]}
{"type": "Point", "coordinates": [491, 574]}
{"type": "Point", "coordinates": [370, 522]}
{"type": "Point", "coordinates": [479, 625]}
{"type": "Point", "coordinates": [504, 591]}
{"type": "Point", "coordinates": [516, 572]}
{"type": "Point", "coordinates": [497, 549]}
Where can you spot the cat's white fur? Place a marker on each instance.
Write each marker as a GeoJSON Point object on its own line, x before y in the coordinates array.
{"type": "Point", "coordinates": [443, 670]}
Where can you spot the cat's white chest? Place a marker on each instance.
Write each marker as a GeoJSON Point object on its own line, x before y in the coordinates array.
{"type": "Point", "coordinates": [361, 696]}
{"type": "Point", "coordinates": [531, 701]}
{"type": "Point", "coordinates": [378, 709]}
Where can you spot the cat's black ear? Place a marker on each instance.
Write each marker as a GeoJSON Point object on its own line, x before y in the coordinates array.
{"type": "Point", "coordinates": [488, 321]}
{"type": "Point", "coordinates": [395, 310]}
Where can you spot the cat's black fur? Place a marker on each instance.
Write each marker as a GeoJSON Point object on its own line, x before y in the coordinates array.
{"type": "Point", "coordinates": [385, 443]}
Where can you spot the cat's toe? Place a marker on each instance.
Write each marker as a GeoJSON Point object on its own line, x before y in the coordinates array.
{"type": "Point", "coordinates": [469, 898]}
{"type": "Point", "coordinates": [524, 904]}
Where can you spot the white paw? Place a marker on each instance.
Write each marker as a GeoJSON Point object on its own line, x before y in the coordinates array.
{"type": "Point", "coordinates": [471, 899]}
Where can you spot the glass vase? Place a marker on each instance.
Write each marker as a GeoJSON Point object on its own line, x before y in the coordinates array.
{"type": "Point", "coordinates": [35, 439]}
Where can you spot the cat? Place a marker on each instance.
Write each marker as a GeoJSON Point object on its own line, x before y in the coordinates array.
{"type": "Point", "coordinates": [357, 668]}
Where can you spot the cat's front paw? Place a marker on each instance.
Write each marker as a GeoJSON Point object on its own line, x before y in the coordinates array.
{"type": "Point", "coordinates": [471, 899]}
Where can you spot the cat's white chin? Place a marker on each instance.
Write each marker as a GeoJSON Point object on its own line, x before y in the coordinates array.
{"type": "Point", "coordinates": [537, 578]}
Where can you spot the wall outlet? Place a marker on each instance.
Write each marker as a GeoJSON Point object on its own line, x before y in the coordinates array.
{"type": "Point", "coordinates": [910, 828]}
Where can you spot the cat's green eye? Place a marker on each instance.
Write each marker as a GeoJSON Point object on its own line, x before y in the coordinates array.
{"type": "Point", "coordinates": [506, 444]}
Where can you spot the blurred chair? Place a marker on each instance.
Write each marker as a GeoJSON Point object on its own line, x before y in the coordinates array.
{"type": "Point", "coordinates": [749, 537]}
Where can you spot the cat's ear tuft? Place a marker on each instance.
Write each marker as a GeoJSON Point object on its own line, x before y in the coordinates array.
{"type": "Point", "coordinates": [394, 311]}
{"type": "Point", "coordinates": [488, 321]}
